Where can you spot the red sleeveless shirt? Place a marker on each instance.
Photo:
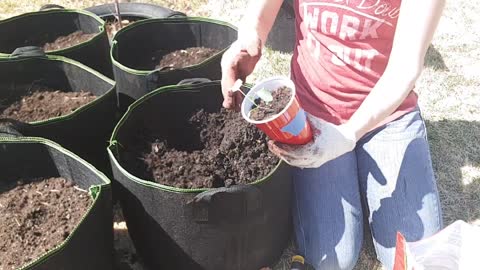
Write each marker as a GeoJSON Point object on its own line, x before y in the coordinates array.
{"type": "Point", "coordinates": [342, 50]}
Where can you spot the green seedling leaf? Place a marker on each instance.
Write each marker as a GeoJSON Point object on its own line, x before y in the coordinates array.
{"type": "Point", "coordinates": [265, 95]}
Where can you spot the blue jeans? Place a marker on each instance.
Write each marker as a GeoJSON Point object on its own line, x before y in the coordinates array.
{"type": "Point", "coordinates": [388, 178]}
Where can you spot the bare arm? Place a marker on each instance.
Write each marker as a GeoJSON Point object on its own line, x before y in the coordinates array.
{"type": "Point", "coordinates": [259, 18]}
{"type": "Point", "coordinates": [416, 26]}
{"type": "Point", "coordinates": [240, 60]}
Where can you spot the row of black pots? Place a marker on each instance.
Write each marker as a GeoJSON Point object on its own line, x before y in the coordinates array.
{"type": "Point", "coordinates": [240, 227]}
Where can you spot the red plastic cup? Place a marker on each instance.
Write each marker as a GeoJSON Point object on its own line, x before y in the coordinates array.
{"type": "Point", "coordinates": [290, 126]}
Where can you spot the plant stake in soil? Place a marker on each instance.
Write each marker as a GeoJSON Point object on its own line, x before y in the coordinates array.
{"type": "Point", "coordinates": [118, 23]}
{"type": "Point", "coordinates": [119, 16]}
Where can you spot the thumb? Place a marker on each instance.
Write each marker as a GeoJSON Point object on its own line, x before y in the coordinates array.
{"type": "Point", "coordinates": [228, 100]}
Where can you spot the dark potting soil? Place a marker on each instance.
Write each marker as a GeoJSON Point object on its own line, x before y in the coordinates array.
{"type": "Point", "coordinates": [281, 97]}
{"type": "Point", "coordinates": [70, 40]}
{"type": "Point", "coordinates": [186, 57]}
{"type": "Point", "coordinates": [219, 150]}
{"type": "Point", "coordinates": [37, 215]}
{"type": "Point", "coordinates": [43, 103]}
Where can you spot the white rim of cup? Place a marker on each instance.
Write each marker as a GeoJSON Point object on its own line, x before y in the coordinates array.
{"type": "Point", "coordinates": [288, 83]}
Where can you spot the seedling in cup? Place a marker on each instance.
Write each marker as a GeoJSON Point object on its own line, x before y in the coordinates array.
{"type": "Point", "coordinates": [263, 94]}
{"type": "Point", "coordinates": [273, 107]}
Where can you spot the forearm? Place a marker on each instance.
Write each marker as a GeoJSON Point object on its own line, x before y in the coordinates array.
{"type": "Point", "coordinates": [259, 18]}
{"type": "Point", "coordinates": [387, 95]}
{"type": "Point", "coordinates": [416, 25]}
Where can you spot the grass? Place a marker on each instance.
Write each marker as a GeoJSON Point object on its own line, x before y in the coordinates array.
{"type": "Point", "coordinates": [448, 89]}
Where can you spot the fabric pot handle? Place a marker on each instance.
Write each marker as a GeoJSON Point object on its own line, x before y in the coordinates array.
{"type": "Point", "coordinates": [177, 14]}
{"type": "Point", "coordinates": [232, 205]}
{"type": "Point", "coordinates": [28, 51]}
{"type": "Point", "coordinates": [11, 128]}
{"type": "Point", "coordinates": [193, 81]}
{"type": "Point", "coordinates": [157, 77]}
{"type": "Point", "coordinates": [51, 6]}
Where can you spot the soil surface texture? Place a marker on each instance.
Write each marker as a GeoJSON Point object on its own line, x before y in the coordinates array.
{"type": "Point", "coordinates": [113, 26]}
{"type": "Point", "coordinates": [70, 40]}
{"type": "Point", "coordinates": [37, 215]}
{"type": "Point", "coordinates": [43, 103]}
{"type": "Point", "coordinates": [281, 97]}
{"type": "Point", "coordinates": [219, 149]}
{"type": "Point", "coordinates": [186, 57]}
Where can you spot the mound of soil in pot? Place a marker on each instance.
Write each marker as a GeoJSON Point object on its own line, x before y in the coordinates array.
{"type": "Point", "coordinates": [186, 57]}
{"type": "Point", "coordinates": [43, 103]}
{"type": "Point", "coordinates": [265, 110]}
{"type": "Point", "coordinates": [70, 40]}
{"type": "Point", "coordinates": [218, 149]}
{"type": "Point", "coordinates": [37, 215]}
{"type": "Point", "coordinates": [67, 41]}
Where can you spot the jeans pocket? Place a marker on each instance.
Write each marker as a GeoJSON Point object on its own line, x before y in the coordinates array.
{"type": "Point", "coordinates": [408, 127]}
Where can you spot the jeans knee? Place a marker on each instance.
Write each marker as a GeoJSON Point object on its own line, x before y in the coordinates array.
{"type": "Point", "coordinates": [339, 260]}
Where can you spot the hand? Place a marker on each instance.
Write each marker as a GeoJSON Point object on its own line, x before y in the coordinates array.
{"type": "Point", "coordinates": [237, 63]}
{"type": "Point", "coordinates": [329, 142]}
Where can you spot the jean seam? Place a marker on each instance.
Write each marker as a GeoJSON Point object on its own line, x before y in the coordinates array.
{"type": "Point", "coordinates": [434, 180]}
{"type": "Point", "coordinates": [437, 196]}
{"type": "Point", "coordinates": [301, 224]}
{"type": "Point", "coordinates": [437, 213]}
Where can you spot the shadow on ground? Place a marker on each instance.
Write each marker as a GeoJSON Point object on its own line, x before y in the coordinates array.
{"type": "Point", "coordinates": [455, 147]}
{"type": "Point", "coordinates": [434, 60]}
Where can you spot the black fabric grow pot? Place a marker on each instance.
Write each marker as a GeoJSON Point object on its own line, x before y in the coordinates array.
{"type": "Point", "coordinates": [89, 246]}
{"type": "Point", "coordinates": [35, 28]}
{"type": "Point", "coordinates": [136, 11]}
{"type": "Point", "coordinates": [134, 46]}
{"type": "Point", "coordinates": [84, 131]}
{"type": "Point", "coordinates": [243, 227]}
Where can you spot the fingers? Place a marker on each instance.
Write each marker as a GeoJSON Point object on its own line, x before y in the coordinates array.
{"type": "Point", "coordinates": [237, 63]}
{"type": "Point", "coordinates": [298, 156]}
{"type": "Point", "coordinates": [228, 102]}
{"type": "Point", "coordinates": [228, 80]}
{"type": "Point", "coordinates": [281, 151]}
{"type": "Point", "coordinates": [238, 99]}
{"type": "Point", "coordinates": [237, 95]}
